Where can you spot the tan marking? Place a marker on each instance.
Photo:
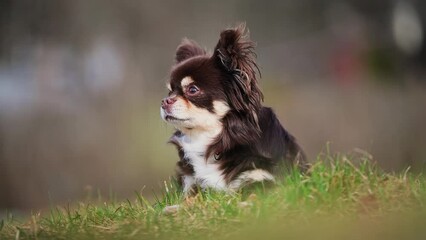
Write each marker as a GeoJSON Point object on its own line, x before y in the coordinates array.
{"type": "Point", "coordinates": [220, 108]}
{"type": "Point", "coordinates": [186, 81]}
{"type": "Point", "coordinates": [188, 104]}
{"type": "Point", "coordinates": [169, 87]}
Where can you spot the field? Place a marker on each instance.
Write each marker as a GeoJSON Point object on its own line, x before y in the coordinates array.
{"type": "Point", "coordinates": [342, 197]}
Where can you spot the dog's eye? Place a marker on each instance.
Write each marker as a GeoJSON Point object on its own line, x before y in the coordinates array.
{"type": "Point", "coordinates": [192, 90]}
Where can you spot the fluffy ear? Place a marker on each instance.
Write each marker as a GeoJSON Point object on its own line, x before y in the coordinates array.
{"type": "Point", "coordinates": [188, 49]}
{"type": "Point", "coordinates": [235, 54]}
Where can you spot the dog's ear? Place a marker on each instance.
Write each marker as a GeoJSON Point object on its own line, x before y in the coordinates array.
{"type": "Point", "coordinates": [235, 55]}
{"type": "Point", "coordinates": [188, 49]}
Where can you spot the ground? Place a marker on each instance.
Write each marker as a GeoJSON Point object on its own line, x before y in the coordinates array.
{"type": "Point", "coordinates": [341, 197]}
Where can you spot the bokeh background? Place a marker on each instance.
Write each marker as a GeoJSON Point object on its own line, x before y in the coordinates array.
{"type": "Point", "coordinates": [81, 82]}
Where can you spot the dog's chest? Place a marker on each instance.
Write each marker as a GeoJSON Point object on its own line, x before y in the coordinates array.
{"type": "Point", "coordinates": [207, 173]}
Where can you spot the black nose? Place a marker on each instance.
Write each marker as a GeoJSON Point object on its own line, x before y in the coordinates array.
{"type": "Point", "coordinates": [168, 101]}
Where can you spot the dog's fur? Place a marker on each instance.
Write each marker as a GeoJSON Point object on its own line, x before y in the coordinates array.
{"type": "Point", "coordinates": [225, 138]}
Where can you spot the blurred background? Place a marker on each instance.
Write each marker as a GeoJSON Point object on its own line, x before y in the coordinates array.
{"type": "Point", "coordinates": [81, 83]}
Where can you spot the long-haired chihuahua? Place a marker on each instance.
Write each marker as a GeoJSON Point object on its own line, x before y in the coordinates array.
{"type": "Point", "coordinates": [224, 136]}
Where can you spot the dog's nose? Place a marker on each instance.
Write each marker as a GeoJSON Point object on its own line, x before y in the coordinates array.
{"type": "Point", "coordinates": [167, 102]}
{"type": "Point", "coordinates": [170, 100]}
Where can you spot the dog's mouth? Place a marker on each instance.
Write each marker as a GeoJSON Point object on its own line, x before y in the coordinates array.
{"type": "Point", "coordinates": [175, 119]}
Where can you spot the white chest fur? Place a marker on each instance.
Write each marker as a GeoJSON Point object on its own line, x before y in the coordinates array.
{"type": "Point", "coordinates": [206, 172]}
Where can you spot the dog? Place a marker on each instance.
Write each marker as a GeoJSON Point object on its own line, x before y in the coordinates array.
{"type": "Point", "coordinates": [225, 138]}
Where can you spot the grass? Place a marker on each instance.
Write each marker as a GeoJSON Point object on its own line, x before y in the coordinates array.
{"type": "Point", "coordinates": [342, 197]}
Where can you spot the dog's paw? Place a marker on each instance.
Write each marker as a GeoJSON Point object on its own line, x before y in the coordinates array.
{"type": "Point", "coordinates": [168, 210]}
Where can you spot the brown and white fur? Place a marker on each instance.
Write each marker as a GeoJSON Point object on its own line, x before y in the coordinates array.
{"type": "Point", "coordinates": [224, 136]}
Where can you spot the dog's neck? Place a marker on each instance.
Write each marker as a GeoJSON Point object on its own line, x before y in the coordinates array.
{"type": "Point", "coordinates": [197, 141]}
{"type": "Point", "coordinates": [206, 168]}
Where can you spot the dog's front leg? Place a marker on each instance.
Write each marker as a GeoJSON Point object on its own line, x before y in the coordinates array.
{"type": "Point", "coordinates": [188, 184]}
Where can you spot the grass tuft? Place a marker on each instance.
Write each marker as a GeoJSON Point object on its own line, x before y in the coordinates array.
{"type": "Point", "coordinates": [342, 196]}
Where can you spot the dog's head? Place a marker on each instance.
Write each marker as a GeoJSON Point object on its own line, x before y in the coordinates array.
{"type": "Point", "coordinates": [215, 92]}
